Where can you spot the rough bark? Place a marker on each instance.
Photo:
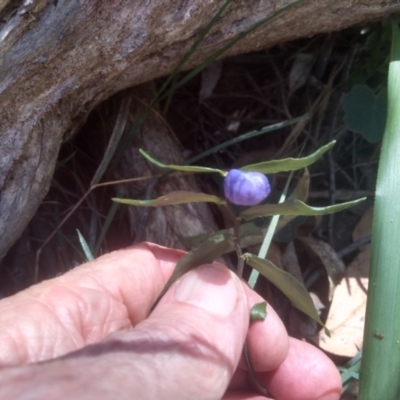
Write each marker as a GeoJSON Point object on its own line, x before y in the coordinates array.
{"type": "Point", "coordinates": [60, 58]}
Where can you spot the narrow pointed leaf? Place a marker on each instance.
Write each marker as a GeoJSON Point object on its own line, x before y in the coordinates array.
{"type": "Point", "coordinates": [258, 312]}
{"type": "Point", "coordinates": [173, 198]}
{"type": "Point", "coordinates": [85, 247]}
{"type": "Point", "coordinates": [287, 283]}
{"type": "Point", "coordinates": [288, 164]}
{"type": "Point", "coordinates": [208, 252]}
{"type": "Point", "coordinates": [294, 207]}
{"type": "Point", "coordinates": [185, 168]}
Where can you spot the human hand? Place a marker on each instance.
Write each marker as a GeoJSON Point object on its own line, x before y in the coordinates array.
{"type": "Point", "coordinates": [91, 326]}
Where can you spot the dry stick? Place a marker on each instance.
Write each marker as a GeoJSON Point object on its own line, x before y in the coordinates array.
{"type": "Point", "coordinates": [354, 246]}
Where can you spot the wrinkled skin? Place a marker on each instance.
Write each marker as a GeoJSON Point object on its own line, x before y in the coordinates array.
{"type": "Point", "coordinates": [91, 329]}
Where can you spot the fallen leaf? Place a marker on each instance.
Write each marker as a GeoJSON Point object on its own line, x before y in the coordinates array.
{"type": "Point", "coordinates": [300, 324]}
{"type": "Point", "coordinates": [347, 312]}
{"type": "Point", "coordinates": [332, 263]}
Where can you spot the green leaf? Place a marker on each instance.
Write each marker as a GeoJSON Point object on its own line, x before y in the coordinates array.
{"type": "Point", "coordinates": [258, 312]}
{"type": "Point", "coordinates": [365, 112]}
{"type": "Point", "coordinates": [287, 283]}
{"type": "Point", "coordinates": [351, 371]}
{"type": "Point", "coordinates": [209, 251]}
{"type": "Point", "coordinates": [185, 168]}
{"type": "Point", "coordinates": [288, 164]}
{"type": "Point", "coordinates": [294, 207]}
{"type": "Point", "coordinates": [85, 247]}
{"type": "Point", "coordinates": [173, 198]}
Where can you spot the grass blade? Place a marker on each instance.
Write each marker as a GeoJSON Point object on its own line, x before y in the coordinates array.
{"type": "Point", "coordinates": [106, 226]}
{"type": "Point", "coordinates": [246, 136]}
{"type": "Point", "coordinates": [225, 48]}
{"type": "Point", "coordinates": [85, 247]}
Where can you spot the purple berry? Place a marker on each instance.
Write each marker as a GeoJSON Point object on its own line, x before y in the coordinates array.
{"type": "Point", "coordinates": [246, 188]}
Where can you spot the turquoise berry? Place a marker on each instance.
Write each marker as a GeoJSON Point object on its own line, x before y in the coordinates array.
{"type": "Point", "coordinates": [246, 188]}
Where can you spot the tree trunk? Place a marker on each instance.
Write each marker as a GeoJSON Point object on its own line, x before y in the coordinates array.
{"type": "Point", "coordinates": [60, 58]}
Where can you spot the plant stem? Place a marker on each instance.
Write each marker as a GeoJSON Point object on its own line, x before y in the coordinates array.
{"type": "Point", "coordinates": [380, 367]}
{"type": "Point", "coordinates": [269, 235]}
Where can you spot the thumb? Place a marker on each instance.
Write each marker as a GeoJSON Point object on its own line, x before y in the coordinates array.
{"type": "Point", "coordinates": [198, 330]}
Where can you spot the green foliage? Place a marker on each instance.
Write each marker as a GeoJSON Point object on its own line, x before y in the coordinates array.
{"type": "Point", "coordinates": [183, 168]}
{"type": "Point", "coordinates": [351, 371]}
{"type": "Point", "coordinates": [173, 198]}
{"type": "Point", "coordinates": [223, 242]}
{"type": "Point", "coordinates": [85, 247]}
{"type": "Point", "coordinates": [365, 112]}
{"type": "Point", "coordinates": [286, 283]}
{"type": "Point", "coordinates": [214, 247]}
{"type": "Point", "coordinates": [289, 164]}
{"type": "Point", "coordinates": [294, 207]}
{"type": "Point", "coordinates": [267, 167]}
{"type": "Point", "coordinates": [380, 366]}
{"type": "Point", "coordinates": [258, 312]}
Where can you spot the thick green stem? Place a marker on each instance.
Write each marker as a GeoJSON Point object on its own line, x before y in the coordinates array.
{"type": "Point", "coordinates": [380, 369]}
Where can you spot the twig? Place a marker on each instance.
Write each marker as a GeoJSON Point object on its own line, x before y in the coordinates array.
{"type": "Point", "coordinates": [354, 246]}
{"type": "Point", "coordinates": [252, 373]}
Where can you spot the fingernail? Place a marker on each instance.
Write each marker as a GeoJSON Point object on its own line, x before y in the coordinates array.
{"type": "Point", "coordinates": [209, 287]}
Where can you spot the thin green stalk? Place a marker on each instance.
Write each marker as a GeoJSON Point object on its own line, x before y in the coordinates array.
{"type": "Point", "coordinates": [268, 236]}
{"type": "Point", "coordinates": [380, 367]}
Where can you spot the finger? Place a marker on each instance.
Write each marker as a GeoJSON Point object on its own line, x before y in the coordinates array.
{"type": "Point", "coordinates": [188, 348]}
{"type": "Point", "coordinates": [207, 312]}
{"type": "Point", "coordinates": [267, 340]}
{"type": "Point", "coordinates": [84, 305]}
{"type": "Point", "coordinates": [133, 276]}
{"type": "Point", "coordinates": [306, 374]}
